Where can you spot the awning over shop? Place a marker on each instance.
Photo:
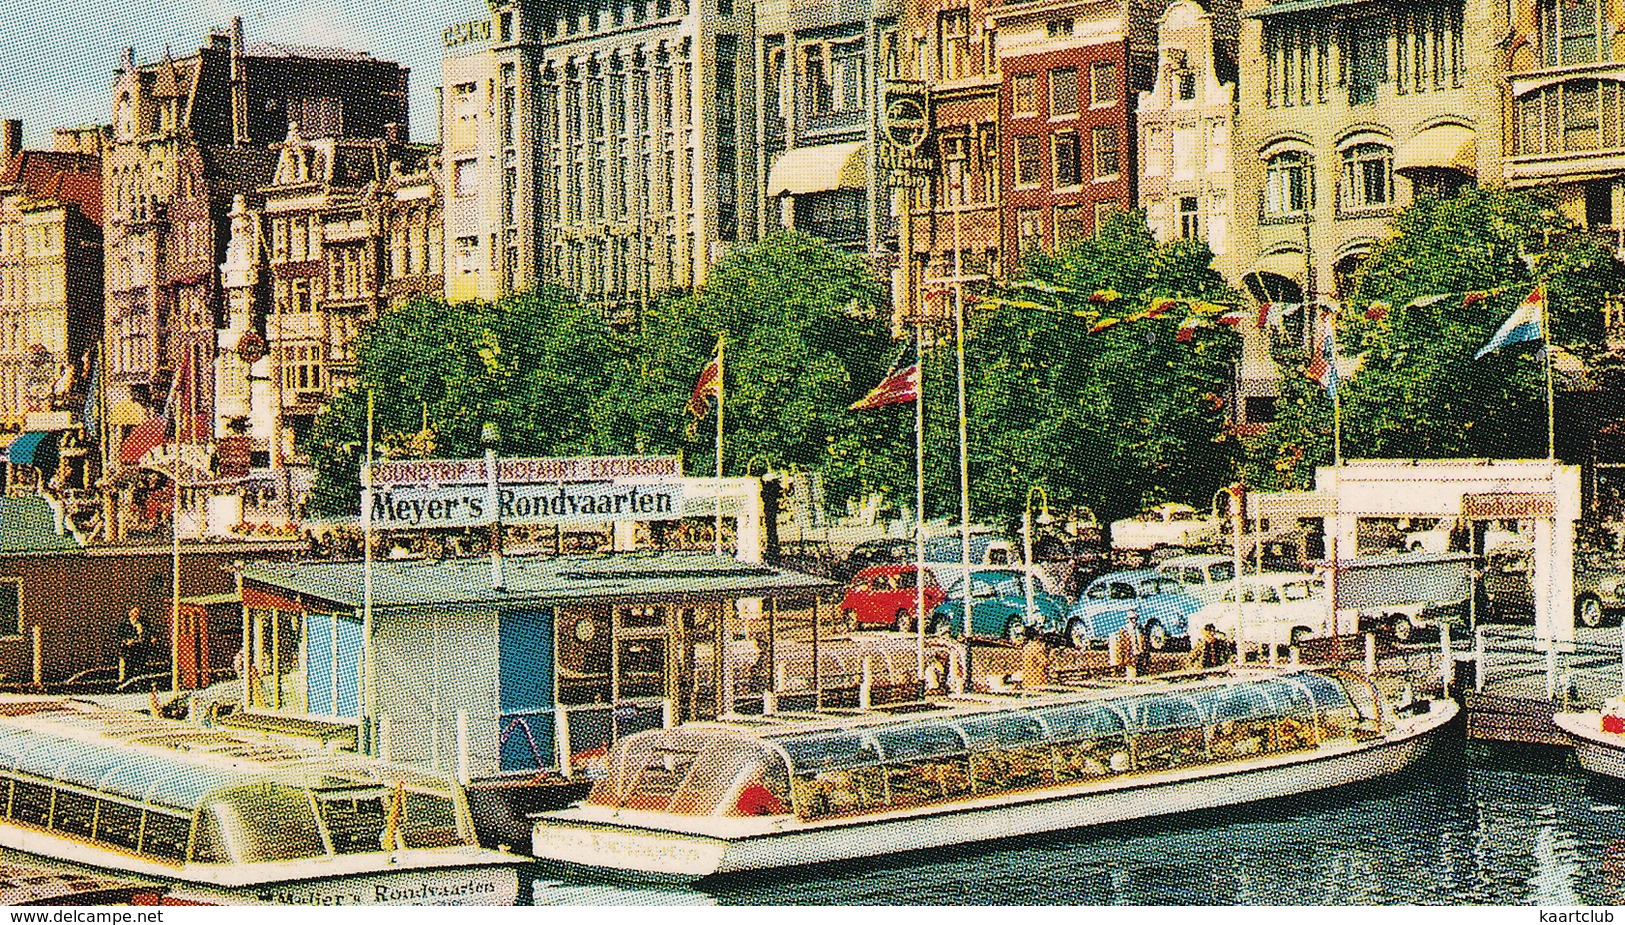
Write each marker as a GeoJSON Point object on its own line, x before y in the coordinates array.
{"type": "Point", "coordinates": [35, 448]}
{"type": "Point", "coordinates": [1442, 147]}
{"type": "Point", "coordinates": [819, 169]}
{"type": "Point", "coordinates": [1286, 264]}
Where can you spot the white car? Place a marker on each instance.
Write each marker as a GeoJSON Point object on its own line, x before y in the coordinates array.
{"type": "Point", "coordinates": [1165, 525]}
{"type": "Point", "coordinates": [1205, 577]}
{"type": "Point", "coordinates": [1281, 608]}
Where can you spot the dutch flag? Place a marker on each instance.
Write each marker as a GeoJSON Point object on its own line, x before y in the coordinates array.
{"type": "Point", "coordinates": [1525, 323]}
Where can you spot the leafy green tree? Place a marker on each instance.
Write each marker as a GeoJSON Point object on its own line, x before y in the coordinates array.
{"type": "Point", "coordinates": [1112, 419]}
{"type": "Point", "coordinates": [533, 364]}
{"type": "Point", "coordinates": [803, 341]}
{"type": "Point", "coordinates": [1418, 392]}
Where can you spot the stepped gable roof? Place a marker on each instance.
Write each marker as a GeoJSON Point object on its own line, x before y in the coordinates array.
{"type": "Point", "coordinates": [65, 176]}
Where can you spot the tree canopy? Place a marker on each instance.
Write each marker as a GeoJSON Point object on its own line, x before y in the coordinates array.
{"type": "Point", "coordinates": [1418, 392]}
{"type": "Point", "coordinates": [1113, 419]}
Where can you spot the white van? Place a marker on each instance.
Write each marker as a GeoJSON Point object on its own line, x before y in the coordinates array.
{"type": "Point", "coordinates": [1283, 608]}
{"type": "Point", "coordinates": [1205, 577]}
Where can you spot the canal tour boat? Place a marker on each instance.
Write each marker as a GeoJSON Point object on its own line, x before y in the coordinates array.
{"type": "Point", "coordinates": [768, 792]}
{"type": "Point", "coordinates": [212, 810]}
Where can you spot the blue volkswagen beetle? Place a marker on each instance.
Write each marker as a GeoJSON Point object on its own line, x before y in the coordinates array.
{"type": "Point", "coordinates": [1161, 605]}
{"type": "Point", "coordinates": [998, 604]}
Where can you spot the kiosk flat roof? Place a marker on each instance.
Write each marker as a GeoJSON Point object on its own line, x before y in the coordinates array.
{"type": "Point", "coordinates": [450, 582]}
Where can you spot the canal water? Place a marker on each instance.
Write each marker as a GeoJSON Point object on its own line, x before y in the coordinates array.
{"type": "Point", "coordinates": [1474, 824]}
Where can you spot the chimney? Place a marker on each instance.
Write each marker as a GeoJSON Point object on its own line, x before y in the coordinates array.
{"type": "Point", "coordinates": [392, 132]}
{"type": "Point", "coordinates": [11, 140]}
{"type": "Point", "coordinates": [239, 85]}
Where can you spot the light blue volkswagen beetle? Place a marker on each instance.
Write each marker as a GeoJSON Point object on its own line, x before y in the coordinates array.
{"type": "Point", "coordinates": [1161, 605]}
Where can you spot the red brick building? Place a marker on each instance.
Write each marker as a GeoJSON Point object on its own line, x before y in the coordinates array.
{"type": "Point", "coordinates": [1066, 112]}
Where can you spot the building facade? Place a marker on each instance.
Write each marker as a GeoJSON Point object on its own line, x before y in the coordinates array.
{"type": "Point", "coordinates": [1565, 74]}
{"type": "Point", "coordinates": [822, 69]}
{"type": "Point", "coordinates": [1348, 111]}
{"type": "Point", "coordinates": [50, 278]}
{"type": "Point", "coordinates": [50, 313]}
{"type": "Point", "coordinates": [189, 136]}
{"type": "Point", "coordinates": [346, 228]}
{"type": "Point", "coordinates": [608, 147]}
{"type": "Point", "coordinates": [1186, 182]}
{"type": "Point", "coordinates": [952, 46]}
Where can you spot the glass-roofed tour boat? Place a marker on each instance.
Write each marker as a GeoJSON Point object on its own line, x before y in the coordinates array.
{"type": "Point", "coordinates": [767, 792]}
{"type": "Point", "coordinates": [129, 792]}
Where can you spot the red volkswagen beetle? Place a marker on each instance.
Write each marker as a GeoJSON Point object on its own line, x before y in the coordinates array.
{"type": "Point", "coordinates": [884, 595]}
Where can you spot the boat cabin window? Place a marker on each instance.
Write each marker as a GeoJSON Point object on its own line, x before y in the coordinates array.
{"type": "Point", "coordinates": [1221, 571]}
{"type": "Point", "coordinates": [1296, 591]}
{"type": "Point", "coordinates": [1269, 594]}
{"type": "Point", "coordinates": [822, 774]}
{"type": "Point", "coordinates": [1192, 575]}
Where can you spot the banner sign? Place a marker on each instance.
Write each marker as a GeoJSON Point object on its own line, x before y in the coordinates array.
{"type": "Point", "coordinates": [1509, 505]}
{"type": "Point", "coordinates": [538, 469]}
{"type": "Point", "coordinates": [424, 506]}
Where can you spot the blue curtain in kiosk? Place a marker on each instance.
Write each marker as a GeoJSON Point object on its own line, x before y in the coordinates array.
{"type": "Point", "coordinates": [525, 684]}
{"type": "Point", "coordinates": [333, 664]}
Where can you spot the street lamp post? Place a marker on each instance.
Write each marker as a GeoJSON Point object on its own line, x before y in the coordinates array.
{"type": "Point", "coordinates": [1233, 494]}
{"type": "Point", "coordinates": [1044, 520]}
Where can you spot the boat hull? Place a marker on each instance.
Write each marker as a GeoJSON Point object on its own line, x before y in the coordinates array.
{"type": "Point", "coordinates": [1599, 752]}
{"type": "Point", "coordinates": [649, 851]}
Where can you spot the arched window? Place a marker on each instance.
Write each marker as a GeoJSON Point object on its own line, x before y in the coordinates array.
{"type": "Point", "coordinates": [1287, 184]}
{"type": "Point", "coordinates": [1368, 177]}
{"type": "Point", "coordinates": [1577, 115]}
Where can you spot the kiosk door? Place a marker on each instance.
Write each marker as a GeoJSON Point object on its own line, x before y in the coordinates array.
{"type": "Point", "coordinates": [642, 668]}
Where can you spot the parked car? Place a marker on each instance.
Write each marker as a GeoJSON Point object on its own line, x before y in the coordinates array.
{"type": "Point", "coordinates": [998, 599]}
{"type": "Point", "coordinates": [1160, 605]}
{"type": "Point", "coordinates": [1280, 608]}
{"type": "Point", "coordinates": [1405, 592]}
{"type": "Point", "coordinates": [985, 549]}
{"type": "Point", "coordinates": [1599, 584]}
{"type": "Point", "coordinates": [1071, 561]}
{"type": "Point", "coordinates": [1165, 525]}
{"type": "Point", "coordinates": [875, 552]}
{"type": "Point", "coordinates": [1203, 576]}
{"type": "Point", "coordinates": [887, 595]}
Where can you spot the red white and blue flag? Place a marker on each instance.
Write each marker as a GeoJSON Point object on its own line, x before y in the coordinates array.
{"type": "Point", "coordinates": [1323, 355]}
{"type": "Point", "coordinates": [1526, 322]}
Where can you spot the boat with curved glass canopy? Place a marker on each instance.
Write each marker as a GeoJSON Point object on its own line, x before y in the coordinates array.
{"type": "Point", "coordinates": [138, 794]}
{"type": "Point", "coordinates": [716, 798]}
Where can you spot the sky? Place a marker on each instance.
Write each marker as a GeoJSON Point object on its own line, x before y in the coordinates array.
{"type": "Point", "coordinates": [57, 58]}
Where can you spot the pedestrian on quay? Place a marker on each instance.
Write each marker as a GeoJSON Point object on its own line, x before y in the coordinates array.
{"type": "Point", "coordinates": [1035, 660]}
{"type": "Point", "coordinates": [1132, 656]}
{"type": "Point", "coordinates": [1208, 650]}
{"type": "Point", "coordinates": [134, 644]}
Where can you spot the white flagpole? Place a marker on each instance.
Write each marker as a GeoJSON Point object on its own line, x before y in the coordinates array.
{"type": "Point", "coordinates": [919, 495]}
{"type": "Point", "coordinates": [1551, 401]}
{"type": "Point", "coordinates": [366, 575]}
{"type": "Point", "coordinates": [721, 391]}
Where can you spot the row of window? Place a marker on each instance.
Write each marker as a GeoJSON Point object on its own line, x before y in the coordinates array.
{"type": "Point", "coordinates": [1065, 90]}
{"type": "Point", "coordinates": [1068, 160]}
{"type": "Point", "coordinates": [1175, 152]}
{"type": "Point", "coordinates": [927, 781]}
{"type": "Point", "coordinates": [1578, 115]}
{"type": "Point", "coordinates": [1365, 181]}
{"type": "Point", "coordinates": [1417, 50]}
{"type": "Point", "coordinates": [116, 824]}
{"type": "Point", "coordinates": [1073, 223]}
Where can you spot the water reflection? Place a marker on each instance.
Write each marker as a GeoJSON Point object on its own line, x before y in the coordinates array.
{"type": "Point", "coordinates": [1473, 825]}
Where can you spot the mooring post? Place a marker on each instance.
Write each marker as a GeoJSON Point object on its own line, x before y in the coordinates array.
{"type": "Point", "coordinates": [1447, 659]}
{"type": "Point", "coordinates": [863, 688]}
{"type": "Point", "coordinates": [1292, 655]}
{"type": "Point", "coordinates": [1551, 668]}
{"type": "Point", "coordinates": [1480, 669]}
{"type": "Point", "coordinates": [39, 658]}
{"type": "Point", "coordinates": [1370, 654]}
